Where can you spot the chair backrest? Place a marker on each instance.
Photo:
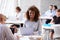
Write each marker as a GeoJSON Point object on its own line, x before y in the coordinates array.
{"type": "Point", "coordinates": [57, 30]}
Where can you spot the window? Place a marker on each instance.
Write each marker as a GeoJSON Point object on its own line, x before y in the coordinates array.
{"type": "Point", "coordinates": [7, 7]}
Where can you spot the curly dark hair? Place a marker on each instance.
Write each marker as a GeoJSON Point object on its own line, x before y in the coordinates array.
{"type": "Point", "coordinates": [37, 13]}
{"type": "Point", "coordinates": [55, 6]}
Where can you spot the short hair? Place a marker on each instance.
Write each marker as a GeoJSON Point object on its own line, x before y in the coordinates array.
{"type": "Point", "coordinates": [2, 17]}
{"type": "Point", "coordinates": [18, 8]}
{"type": "Point", "coordinates": [37, 13]}
{"type": "Point", "coordinates": [55, 6]}
{"type": "Point", "coordinates": [58, 10]}
{"type": "Point", "coordinates": [51, 5]}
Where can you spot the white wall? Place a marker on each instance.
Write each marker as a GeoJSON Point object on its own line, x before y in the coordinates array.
{"type": "Point", "coordinates": [45, 4]}
{"type": "Point", "coordinates": [25, 4]}
{"type": "Point", "coordinates": [7, 7]}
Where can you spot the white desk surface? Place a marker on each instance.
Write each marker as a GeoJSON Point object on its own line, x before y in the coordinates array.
{"type": "Point", "coordinates": [48, 28]}
{"type": "Point", "coordinates": [30, 37]}
{"type": "Point", "coordinates": [13, 22]}
{"type": "Point", "coordinates": [52, 26]}
{"type": "Point", "coordinates": [33, 36]}
{"type": "Point", "coordinates": [45, 17]}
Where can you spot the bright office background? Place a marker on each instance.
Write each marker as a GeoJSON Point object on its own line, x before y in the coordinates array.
{"type": "Point", "coordinates": [7, 7]}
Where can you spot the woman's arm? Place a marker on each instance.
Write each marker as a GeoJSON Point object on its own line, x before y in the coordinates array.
{"type": "Point", "coordinates": [39, 27]}
{"type": "Point", "coordinates": [52, 21]}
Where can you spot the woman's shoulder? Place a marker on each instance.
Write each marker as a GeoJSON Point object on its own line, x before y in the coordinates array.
{"type": "Point", "coordinates": [39, 20]}
{"type": "Point", "coordinates": [3, 26]}
{"type": "Point", "coordinates": [26, 21]}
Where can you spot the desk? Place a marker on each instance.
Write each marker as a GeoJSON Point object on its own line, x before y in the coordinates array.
{"type": "Point", "coordinates": [13, 22]}
{"type": "Point", "coordinates": [10, 22]}
{"type": "Point", "coordinates": [31, 38]}
{"type": "Point", "coordinates": [46, 31]}
{"type": "Point", "coordinates": [43, 19]}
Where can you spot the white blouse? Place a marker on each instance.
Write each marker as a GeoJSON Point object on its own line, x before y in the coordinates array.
{"type": "Point", "coordinates": [20, 16]}
{"type": "Point", "coordinates": [5, 33]}
{"type": "Point", "coordinates": [49, 13]}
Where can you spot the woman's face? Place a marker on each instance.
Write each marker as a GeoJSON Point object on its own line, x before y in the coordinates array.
{"type": "Point", "coordinates": [17, 11]}
{"type": "Point", "coordinates": [31, 14]}
{"type": "Point", "coordinates": [50, 7]}
{"type": "Point", "coordinates": [54, 8]}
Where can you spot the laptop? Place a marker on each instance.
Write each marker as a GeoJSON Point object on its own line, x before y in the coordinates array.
{"type": "Point", "coordinates": [26, 31]}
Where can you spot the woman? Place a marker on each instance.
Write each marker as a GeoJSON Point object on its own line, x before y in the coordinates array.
{"type": "Point", "coordinates": [32, 21]}
{"type": "Point", "coordinates": [5, 32]}
{"type": "Point", "coordinates": [19, 16]}
{"type": "Point", "coordinates": [54, 10]}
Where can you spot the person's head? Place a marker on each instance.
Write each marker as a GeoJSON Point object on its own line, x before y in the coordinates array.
{"type": "Point", "coordinates": [51, 7]}
{"type": "Point", "coordinates": [2, 18]}
{"type": "Point", "coordinates": [55, 7]}
{"type": "Point", "coordinates": [18, 9]}
{"type": "Point", "coordinates": [33, 13]}
{"type": "Point", "coordinates": [58, 12]}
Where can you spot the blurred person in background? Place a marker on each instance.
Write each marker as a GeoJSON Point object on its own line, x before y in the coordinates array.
{"type": "Point", "coordinates": [54, 9]}
{"type": "Point", "coordinates": [19, 16]}
{"type": "Point", "coordinates": [49, 13]}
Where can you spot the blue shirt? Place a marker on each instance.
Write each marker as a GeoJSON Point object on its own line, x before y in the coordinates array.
{"type": "Point", "coordinates": [50, 13]}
